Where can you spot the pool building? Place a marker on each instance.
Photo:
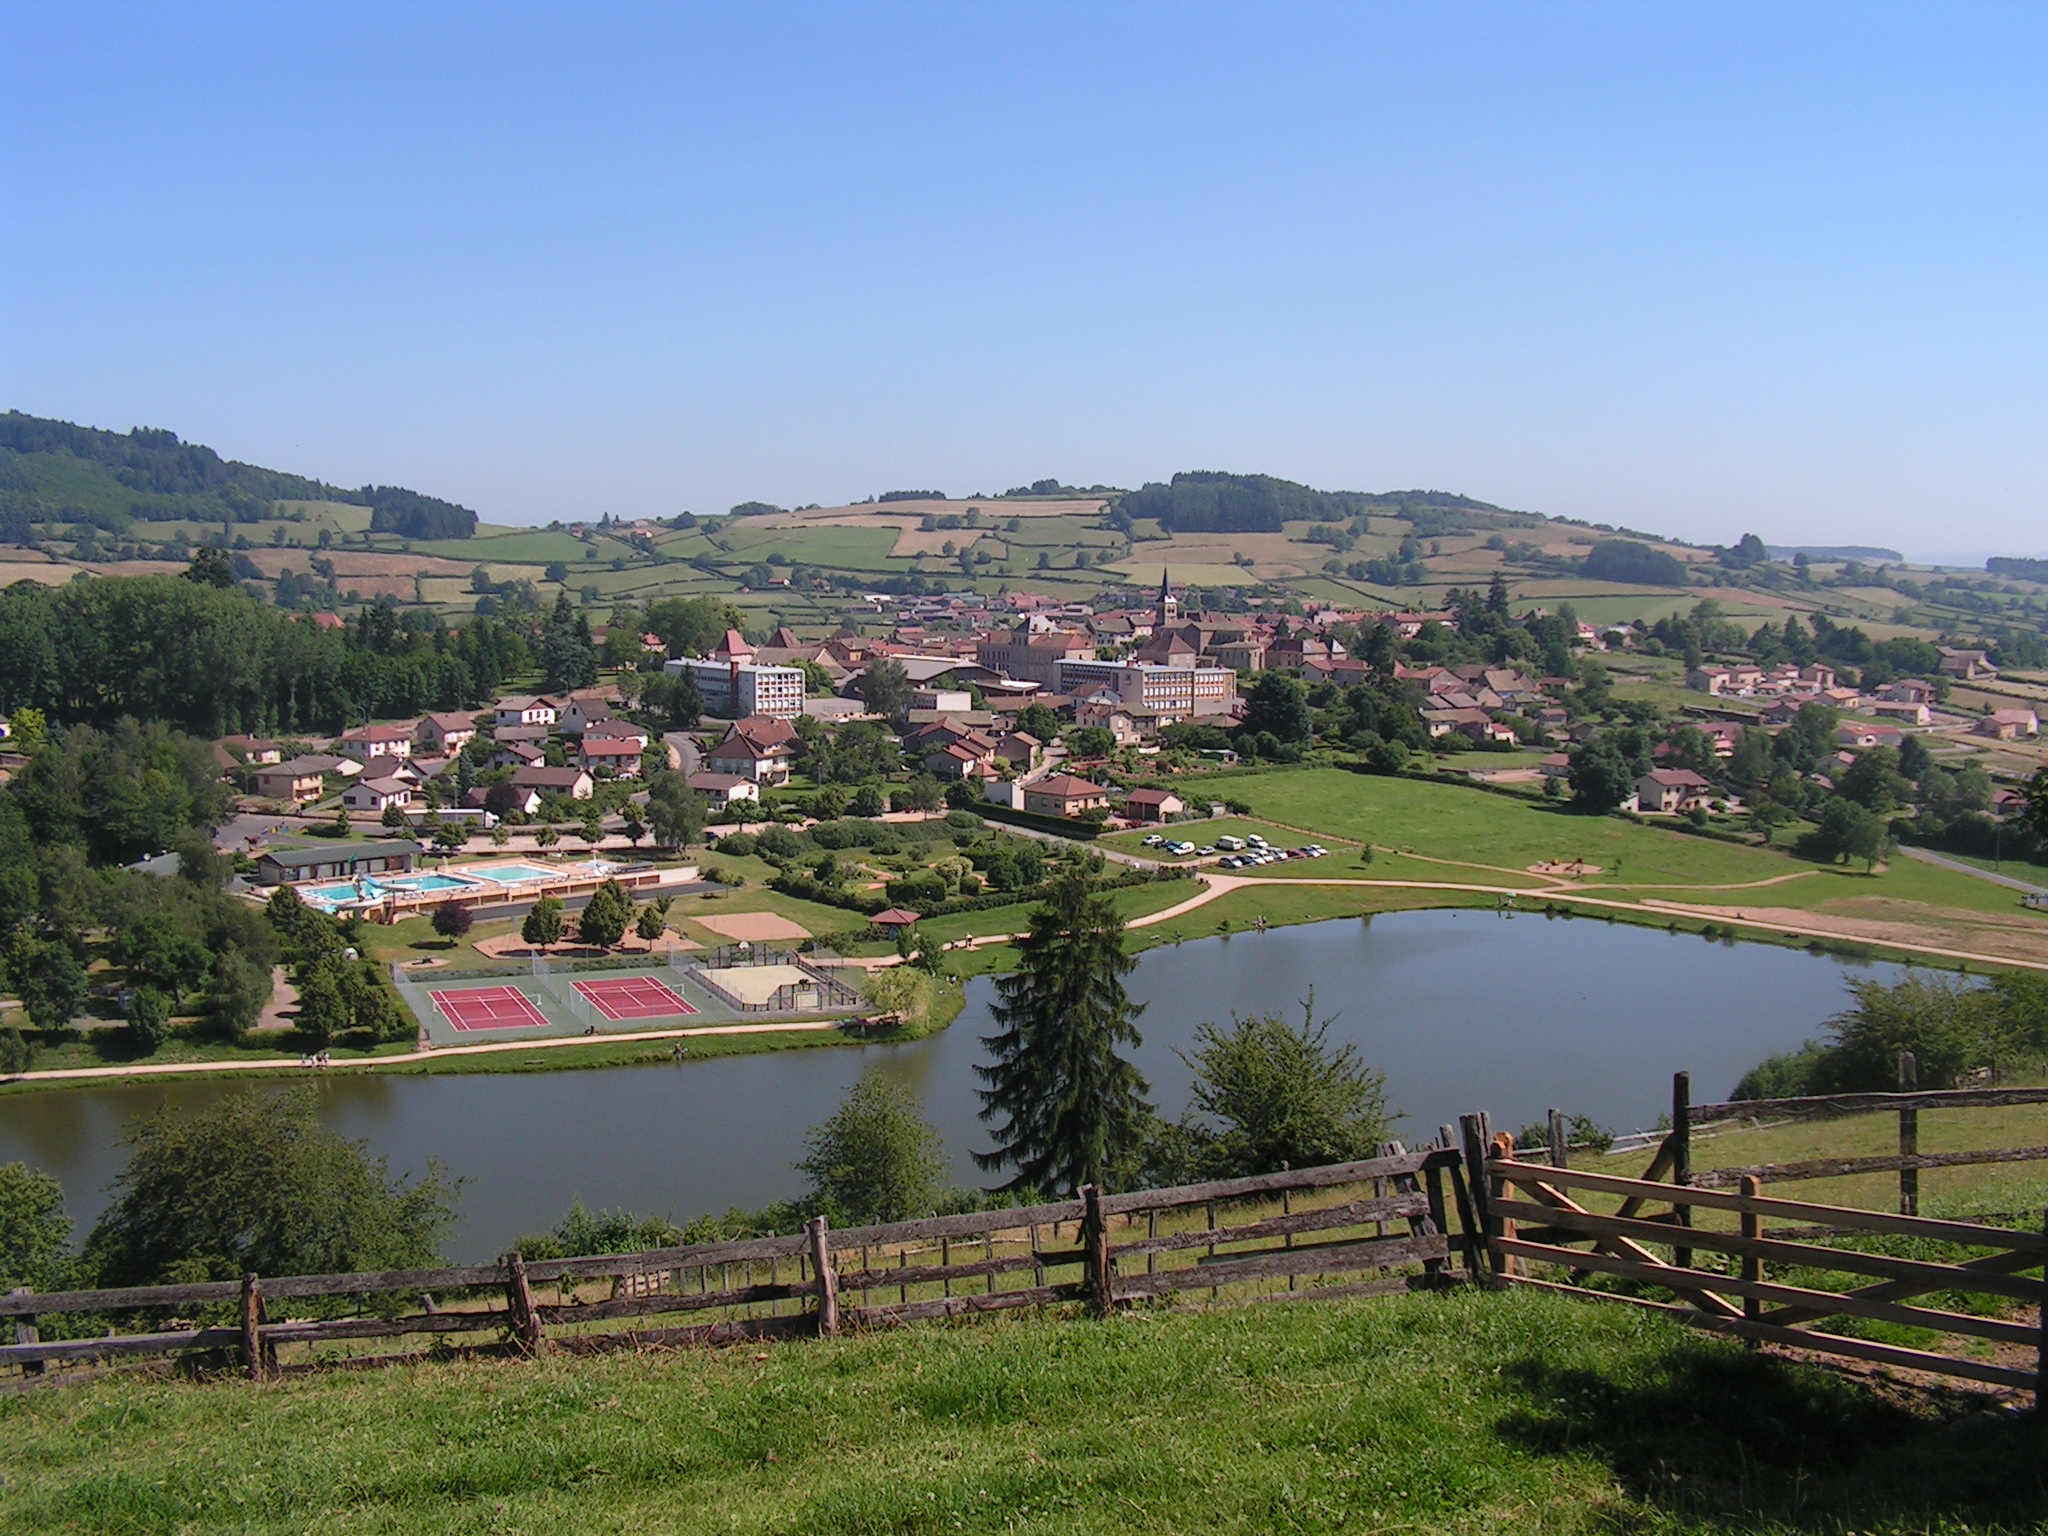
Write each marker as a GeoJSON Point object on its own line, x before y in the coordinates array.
{"type": "Point", "coordinates": [341, 861]}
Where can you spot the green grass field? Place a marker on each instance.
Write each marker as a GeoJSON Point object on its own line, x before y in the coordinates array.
{"type": "Point", "coordinates": [1472, 1413]}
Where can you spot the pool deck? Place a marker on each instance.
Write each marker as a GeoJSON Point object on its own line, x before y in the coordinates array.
{"type": "Point", "coordinates": [480, 890]}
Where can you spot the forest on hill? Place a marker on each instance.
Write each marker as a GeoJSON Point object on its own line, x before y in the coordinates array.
{"type": "Point", "coordinates": [1205, 501]}
{"type": "Point", "coordinates": [57, 472]}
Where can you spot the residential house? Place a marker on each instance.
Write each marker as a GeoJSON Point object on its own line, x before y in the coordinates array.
{"type": "Point", "coordinates": [503, 798]}
{"type": "Point", "coordinates": [1967, 664]}
{"type": "Point", "coordinates": [760, 748]}
{"type": "Point", "coordinates": [445, 735]}
{"type": "Point", "coordinates": [959, 760]}
{"type": "Point", "coordinates": [1906, 712]}
{"type": "Point", "coordinates": [524, 709]}
{"type": "Point", "coordinates": [1859, 735]}
{"type": "Point", "coordinates": [724, 789]}
{"type": "Point", "coordinates": [1020, 750]}
{"type": "Point", "coordinates": [368, 794]}
{"type": "Point", "coordinates": [617, 756]}
{"type": "Point", "coordinates": [1670, 790]}
{"type": "Point", "coordinates": [1558, 765]}
{"type": "Point", "coordinates": [2009, 724]}
{"type": "Point", "coordinates": [583, 713]}
{"type": "Point", "coordinates": [1153, 805]}
{"type": "Point", "coordinates": [299, 781]}
{"type": "Point", "coordinates": [575, 783]}
{"type": "Point", "coordinates": [369, 743]}
{"type": "Point", "coordinates": [517, 754]}
{"type": "Point", "coordinates": [252, 750]}
{"type": "Point", "coordinates": [1061, 794]}
{"type": "Point", "coordinates": [1907, 690]}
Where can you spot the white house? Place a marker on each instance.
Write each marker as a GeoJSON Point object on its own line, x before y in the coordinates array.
{"type": "Point", "coordinates": [377, 794]}
{"type": "Point", "coordinates": [367, 743]}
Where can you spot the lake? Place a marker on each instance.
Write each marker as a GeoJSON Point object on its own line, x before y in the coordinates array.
{"type": "Point", "coordinates": [1463, 1010]}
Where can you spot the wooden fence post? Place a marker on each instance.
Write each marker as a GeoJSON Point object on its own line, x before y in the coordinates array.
{"type": "Point", "coordinates": [1752, 1266]}
{"type": "Point", "coordinates": [1559, 1157]}
{"type": "Point", "coordinates": [1681, 1154]}
{"type": "Point", "coordinates": [526, 1327]}
{"type": "Point", "coordinates": [1095, 1251]}
{"type": "Point", "coordinates": [26, 1332]}
{"type": "Point", "coordinates": [252, 1326]}
{"type": "Point", "coordinates": [828, 1279]}
{"type": "Point", "coordinates": [1909, 1137]}
{"type": "Point", "coordinates": [2041, 1348]}
{"type": "Point", "coordinates": [1473, 1129]}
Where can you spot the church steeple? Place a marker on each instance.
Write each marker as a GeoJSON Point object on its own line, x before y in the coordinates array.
{"type": "Point", "coordinates": [1169, 609]}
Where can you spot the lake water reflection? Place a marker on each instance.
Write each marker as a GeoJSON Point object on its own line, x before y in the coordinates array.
{"type": "Point", "coordinates": [1461, 1010]}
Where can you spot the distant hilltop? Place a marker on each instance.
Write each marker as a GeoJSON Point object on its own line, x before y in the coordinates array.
{"type": "Point", "coordinates": [1835, 552]}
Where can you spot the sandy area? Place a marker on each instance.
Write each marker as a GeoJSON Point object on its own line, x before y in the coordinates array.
{"type": "Point", "coordinates": [754, 927]}
{"type": "Point", "coordinates": [1575, 869]}
{"type": "Point", "coordinates": [1882, 920]}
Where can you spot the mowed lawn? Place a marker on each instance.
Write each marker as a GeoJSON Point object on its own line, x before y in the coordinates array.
{"type": "Point", "coordinates": [1496, 837]}
{"type": "Point", "coordinates": [1478, 1412]}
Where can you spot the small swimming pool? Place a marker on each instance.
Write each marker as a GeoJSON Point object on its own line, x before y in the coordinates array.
{"type": "Point", "coordinates": [423, 883]}
{"type": "Point", "coordinates": [511, 874]}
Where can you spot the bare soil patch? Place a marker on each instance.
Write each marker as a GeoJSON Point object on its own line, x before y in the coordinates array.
{"type": "Point", "coordinates": [754, 927]}
{"type": "Point", "coordinates": [1886, 920]}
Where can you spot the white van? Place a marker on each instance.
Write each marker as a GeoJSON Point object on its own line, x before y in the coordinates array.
{"type": "Point", "coordinates": [1230, 844]}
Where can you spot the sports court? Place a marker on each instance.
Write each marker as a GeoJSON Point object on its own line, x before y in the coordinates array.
{"type": "Point", "coordinates": [633, 997]}
{"type": "Point", "coordinates": [490, 1008]}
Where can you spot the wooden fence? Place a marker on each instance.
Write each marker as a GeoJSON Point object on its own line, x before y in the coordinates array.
{"type": "Point", "coordinates": [1362, 1228]}
{"type": "Point", "coordinates": [1674, 1159]}
{"type": "Point", "coordinates": [1532, 1224]}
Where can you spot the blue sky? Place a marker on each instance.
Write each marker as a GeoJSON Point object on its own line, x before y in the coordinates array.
{"type": "Point", "coordinates": [1699, 269]}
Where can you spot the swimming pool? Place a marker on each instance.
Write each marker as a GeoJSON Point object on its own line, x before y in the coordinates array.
{"type": "Point", "coordinates": [424, 883]}
{"type": "Point", "coordinates": [512, 874]}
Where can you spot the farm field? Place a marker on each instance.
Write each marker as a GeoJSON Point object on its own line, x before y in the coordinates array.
{"type": "Point", "coordinates": [1467, 1413]}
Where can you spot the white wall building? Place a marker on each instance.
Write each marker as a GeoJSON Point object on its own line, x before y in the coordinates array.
{"type": "Point", "coordinates": [733, 690]}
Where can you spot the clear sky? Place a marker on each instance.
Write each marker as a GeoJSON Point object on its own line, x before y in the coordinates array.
{"type": "Point", "coordinates": [1698, 269]}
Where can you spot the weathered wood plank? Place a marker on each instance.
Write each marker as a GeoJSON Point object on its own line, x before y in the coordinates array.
{"type": "Point", "coordinates": [1968, 1234]}
{"type": "Point", "coordinates": [731, 1331]}
{"type": "Point", "coordinates": [1568, 1211]}
{"type": "Point", "coordinates": [1354, 1213]}
{"type": "Point", "coordinates": [1822, 1105]}
{"type": "Point", "coordinates": [921, 1274]}
{"type": "Point", "coordinates": [671, 1301]}
{"type": "Point", "coordinates": [1268, 1183]}
{"type": "Point", "coordinates": [1849, 1167]}
{"type": "Point", "coordinates": [1841, 1260]}
{"type": "Point", "coordinates": [960, 1306]}
{"type": "Point", "coordinates": [1232, 1269]}
{"type": "Point", "coordinates": [1821, 1303]}
{"type": "Point", "coordinates": [122, 1344]}
{"type": "Point", "coordinates": [968, 1224]}
{"type": "Point", "coordinates": [1816, 1343]}
{"type": "Point", "coordinates": [334, 1329]}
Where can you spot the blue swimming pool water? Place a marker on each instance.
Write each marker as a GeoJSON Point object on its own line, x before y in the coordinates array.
{"type": "Point", "coordinates": [512, 874]}
{"type": "Point", "coordinates": [422, 883]}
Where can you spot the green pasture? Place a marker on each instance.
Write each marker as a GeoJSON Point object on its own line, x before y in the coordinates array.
{"type": "Point", "coordinates": [1469, 1413]}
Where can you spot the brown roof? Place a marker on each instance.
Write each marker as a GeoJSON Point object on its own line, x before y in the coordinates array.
{"type": "Point", "coordinates": [1066, 787]}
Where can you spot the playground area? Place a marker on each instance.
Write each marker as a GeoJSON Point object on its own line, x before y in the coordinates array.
{"type": "Point", "coordinates": [674, 990]}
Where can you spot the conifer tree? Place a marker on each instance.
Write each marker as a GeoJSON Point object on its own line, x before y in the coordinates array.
{"type": "Point", "coordinates": [1065, 1106]}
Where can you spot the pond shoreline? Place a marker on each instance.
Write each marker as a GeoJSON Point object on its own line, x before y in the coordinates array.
{"type": "Point", "coordinates": [586, 1053]}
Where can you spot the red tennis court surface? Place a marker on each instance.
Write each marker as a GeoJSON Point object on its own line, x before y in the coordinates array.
{"type": "Point", "coordinates": [632, 997]}
{"type": "Point", "coordinates": [490, 1008]}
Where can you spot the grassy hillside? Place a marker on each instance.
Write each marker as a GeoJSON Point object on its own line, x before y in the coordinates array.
{"type": "Point", "coordinates": [1471, 1413]}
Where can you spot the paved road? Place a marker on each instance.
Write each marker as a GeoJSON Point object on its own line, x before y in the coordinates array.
{"type": "Point", "coordinates": [1961, 868]}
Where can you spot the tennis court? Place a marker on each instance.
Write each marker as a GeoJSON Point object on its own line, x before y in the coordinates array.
{"type": "Point", "coordinates": [633, 997]}
{"type": "Point", "coordinates": [490, 1008]}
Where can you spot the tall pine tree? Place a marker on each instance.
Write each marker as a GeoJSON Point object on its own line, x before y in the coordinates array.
{"type": "Point", "coordinates": [1070, 1108]}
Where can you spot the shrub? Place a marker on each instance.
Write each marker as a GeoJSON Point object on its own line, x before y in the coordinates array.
{"type": "Point", "coordinates": [149, 1019]}
{"type": "Point", "coordinates": [452, 920]}
{"type": "Point", "coordinates": [738, 844]}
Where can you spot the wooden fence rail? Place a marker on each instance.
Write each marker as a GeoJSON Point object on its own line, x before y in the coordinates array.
{"type": "Point", "coordinates": [1529, 1219]}
{"type": "Point", "coordinates": [1329, 1236]}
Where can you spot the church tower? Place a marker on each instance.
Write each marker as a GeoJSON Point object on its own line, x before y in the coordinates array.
{"type": "Point", "coordinates": [1169, 609]}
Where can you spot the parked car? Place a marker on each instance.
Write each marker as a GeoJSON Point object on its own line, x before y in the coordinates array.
{"type": "Point", "coordinates": [1203, 853]}
{"type": "Point", "coordinates": [1230, 844]}
{"type": "Point", "coordinates": [1153, 841]}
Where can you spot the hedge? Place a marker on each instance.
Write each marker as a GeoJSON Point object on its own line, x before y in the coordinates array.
{"type": "Point", "coordinates": [1059, 826]}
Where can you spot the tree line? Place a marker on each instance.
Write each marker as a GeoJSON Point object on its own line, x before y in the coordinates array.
{"type": "Point", "coordinates": [211, 659]}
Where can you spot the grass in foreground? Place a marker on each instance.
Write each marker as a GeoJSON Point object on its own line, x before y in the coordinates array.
{"type": "Point", "coordinates": [1489, 1413]}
